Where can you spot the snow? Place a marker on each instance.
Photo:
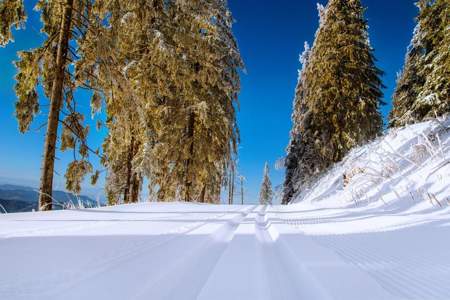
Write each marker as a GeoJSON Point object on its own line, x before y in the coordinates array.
{"type": "Point", "coordinates": [379, 237]}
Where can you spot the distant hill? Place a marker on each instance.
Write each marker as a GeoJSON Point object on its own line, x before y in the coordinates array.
{"type": "Point", "coordinates": [16, 198]}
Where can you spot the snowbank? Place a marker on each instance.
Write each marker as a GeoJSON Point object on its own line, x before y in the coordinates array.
{"type": "Point", "coordinates": [404, 168]}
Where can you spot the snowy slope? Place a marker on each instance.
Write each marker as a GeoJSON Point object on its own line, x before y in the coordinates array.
{"type": "Point", "coordinates": [406, 171]}
{"type": "Point", "coordinates": [367, 240]}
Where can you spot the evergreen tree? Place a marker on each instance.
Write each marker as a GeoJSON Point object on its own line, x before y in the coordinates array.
{"type": "Point", "coordinates": [344, 86]}
{"type": "Point", "coordinates": [197, 134]}
{"type": "Point", "coordinates": [126, 59]}
{"type": "Point", "coordinates": [423, 86]}
{"type": "Point", "coordinates": [266, 192]}
{"type": "Point", "coordinates": [174, 87]}
{"type": "Point", "coordinates": [293, 149]}
{"type": "Point", "coordinates": [167, 73]}
{"type": "Point", "coordinates": [340, 92]}
{"type": "Point", "coordinates": [48, 65]}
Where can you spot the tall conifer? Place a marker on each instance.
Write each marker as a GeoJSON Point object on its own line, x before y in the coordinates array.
{"type": "Point", "coordinates": [341, 93]}
{"type": "Point", "coordinates": [63, 22]}
{"type": "Point", "coordinates": [423, 87]}
{"type": "Point", "coordinates": [266, 192]}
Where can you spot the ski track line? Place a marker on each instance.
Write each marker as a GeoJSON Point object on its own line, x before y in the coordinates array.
{"type": "Point", "coordinates": [264, 271]}
{"type": "Point", "coordinates": [103, 265]}
{"type": "Point", "coordinates": [424, 262]}
{"type": "Point", "coordinates": [239, 272]}
{"type": "Point", "coordinates": [420, 286]}
{"type": "Point", "coordinates": [200, 260]}
{"type": "Point", "coordinates": [396, 280]}
{"type": "Point", "coordinates": [52, 229]}
{"type": "Point", "coordinates": [323, 259]}
{"type": "Point", "coordinates": [391, 283]}
{"type": "Point", "coordinates": [140, 251]}
{"type": "Point", "coordinates": [71, 228]}
{"type": "Point", "coordinates": [392, 279]}
{"type": "Point", "coordinates": [283, 267]}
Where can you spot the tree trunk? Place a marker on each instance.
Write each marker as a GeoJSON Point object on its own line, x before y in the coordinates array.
{"type": "Point", "coordinates": [187, 179]}
{"type": "Point", "coordinates": [126, 194]}
{"type": "Point", "coordinates": [202, 194]}
{"type": "Point", "coordinates": [48, 163]}
{"type": "Point", "coordinates": [135, 188]}
{"type": "Point", "coordinates": [242, 191]}
{"type": "Point", "coordinates": [231, 187]}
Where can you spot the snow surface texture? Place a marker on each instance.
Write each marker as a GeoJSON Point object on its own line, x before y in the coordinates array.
{"type": "Point", "coordinates": [385, 235]}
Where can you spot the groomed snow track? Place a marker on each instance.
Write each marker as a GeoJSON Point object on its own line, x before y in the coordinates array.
{"type": "Point", "coordinates": [182, 251]}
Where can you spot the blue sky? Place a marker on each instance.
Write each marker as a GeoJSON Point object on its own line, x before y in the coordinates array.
{"type": "Point", "coordinates": [270, 34]}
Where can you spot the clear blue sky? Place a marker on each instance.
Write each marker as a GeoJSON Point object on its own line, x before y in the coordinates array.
{"type": "Point", "coordinates": [270, 34]}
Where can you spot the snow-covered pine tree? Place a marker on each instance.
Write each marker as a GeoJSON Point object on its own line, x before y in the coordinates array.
{"type": "Point", "coordinates": [127, 58]}
{"type": "Point", "coordinates": [196, 135]}
{"type": "Point", "coordinates": [409, 83]}
{"type": "Point", "coordinates": [423, 87]}
{"type": "Point", "coordinates": [266, 192]}
{"type": "Point", "coordinates": [64, 22]}
{"type": "Point", "coordinates": [341, 94]}
{"type": "Point", "coordinates": [124, 179]}
{"type": "Point", "coordinates": [344, 86]}
{"type": "Point", "coordinates": [293, 149]}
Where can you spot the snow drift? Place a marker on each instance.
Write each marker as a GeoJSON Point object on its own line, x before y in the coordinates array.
{"type": "Point", "coordinates": [404, 168]}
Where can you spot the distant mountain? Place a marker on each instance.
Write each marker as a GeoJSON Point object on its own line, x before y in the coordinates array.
{"type": "Point", "coordinates": [11, 206]}
{"type": "Point", "coordinates": [16, 198]}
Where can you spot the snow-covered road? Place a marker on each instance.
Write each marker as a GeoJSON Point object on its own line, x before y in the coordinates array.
{"type": "Point", "coordinates": [190, 251]}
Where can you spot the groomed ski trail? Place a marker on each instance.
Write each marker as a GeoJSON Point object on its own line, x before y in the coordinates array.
{"type": "Point", "coordinates": [190, 251]}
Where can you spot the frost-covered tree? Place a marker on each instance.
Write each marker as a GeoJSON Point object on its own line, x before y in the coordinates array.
{"type": "Point", "coordinates": [126, 64]}
{"type": "Point", "coordinates": [174, 87]}
{"type": "Point", "coordinates": [64, 23]}
{"type": "Point", "coordinates": [166, 73]}
{"type": "Point", "coordinates": [293, 150]}
{"type": "Point", "coordinates": [340, 92]}
{"type": "Point", "coordinates": [423, 87]}
{"type": "Point", "coordinates": [196, 133]}
{"type": "Point", "coordinates": [344, 86]}
{"type": "Point", "coordinates": [266, 192]}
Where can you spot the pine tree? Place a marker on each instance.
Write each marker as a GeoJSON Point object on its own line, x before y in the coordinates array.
{"type": "Point", "coordinates": [293, 149]}
{"type": "Point", "coordinates": [344, 89]}
{"type": "Point", "coordinates": [409, 83]}
{"type": "Point", "coordinates": [173, 88]}
{"type": "Point", "coordinates": [266, 192]}
{"type": "Point", "coordinates": [423, 86]}
{"type": "Point", "coordinates": [340, 95]}
{"type": "Point", "coordinates": [125, 59]}
{"type": "Point", "coordinates": [197, 134]}
{"type": "Point", "coordinates": [167, 75]}
{"type": "Point", "coordinates": [48, 65]}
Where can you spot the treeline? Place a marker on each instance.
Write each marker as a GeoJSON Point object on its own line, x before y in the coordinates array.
{"type": "Point", "coordinates": [338, 95]}
{"type": "Point", "coordinates": [165, 73]}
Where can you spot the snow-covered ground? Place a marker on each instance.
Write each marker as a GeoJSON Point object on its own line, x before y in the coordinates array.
{"type": "Point", "coordinates": [382, 232]}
